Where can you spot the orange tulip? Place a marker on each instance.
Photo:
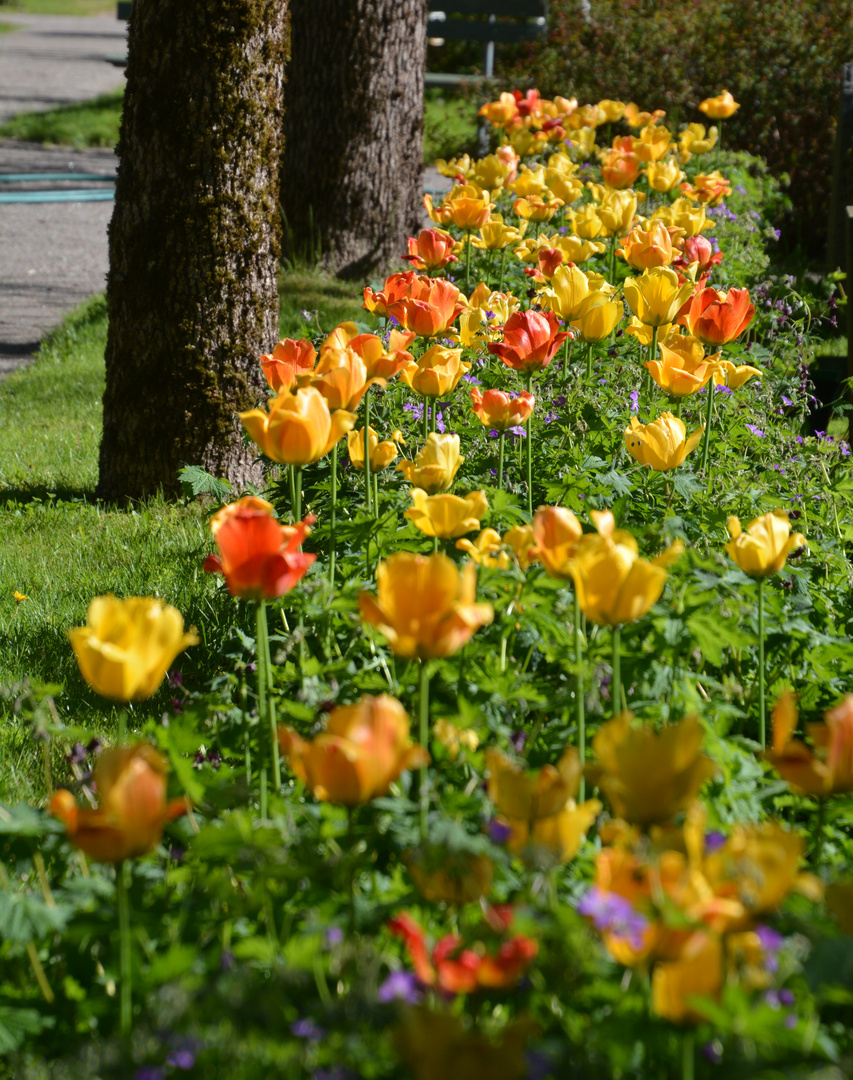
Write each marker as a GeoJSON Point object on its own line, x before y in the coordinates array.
{"type": "Point", "coordinates": [430, 309]}
{"type": "Point", "coordinates": [379, 363]}
{"type": "Point", "coordinates": [260, 558]}
{"type": "Point", "coordinates": [710, 189]}
{"type": "Point", "coordinates": [530, 340]}
{"type": "Point", "coordinates": [720, 107]}
{"type": "Point", "coordinates": [432, 250]}
{"type": "Point", "coordinates": [828, 770]}
{"type": "Point", "coordinates": [683, 367]}
{"type": "Point", "coordinates": [395, 288]}
{"type": "Point", "coordinates": [288, 360]}
{"type": "Point", "coordinates": [620, 170]}
{"type": "Point", "coordinates": [643, 250]}
{"type": "Point", "coordinates": [500, 411]}
{"type": "Point", "coordinates": [341, 378]}
{"type": "Point", "coordinates": [436, 372]}
{"type": "Point", "coordinates": [717, 318]}
{"type": "Point", "coordinates": [362, 750]}
{"type": "Point", "coordinates": [556, 532]}
{"type": "Point", "coordinates": [299, 429]}
{"type": "Point", "coordinates": [131, 785]}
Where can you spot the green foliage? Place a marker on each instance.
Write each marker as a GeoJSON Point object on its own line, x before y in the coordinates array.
{"type": "Point", "coordinates": [88, 123]}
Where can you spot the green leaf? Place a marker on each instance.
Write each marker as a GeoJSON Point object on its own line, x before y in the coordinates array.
{"type": "Point", "coordinates": [16, 1024]}
{"type": "Point", "coordinates": [197, 481]}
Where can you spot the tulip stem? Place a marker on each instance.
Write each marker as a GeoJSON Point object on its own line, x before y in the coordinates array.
{"type": "Point", "coordinates": [567, 355]}
{"type": "Point", "coordinates": [433, 417]}
{"type": "Point", "coordinates": [588, 360]}
{"type": "Point", "coordinates": [503, 269]}
{"type": "Point", "coordinates": [709, 412]}
{"type": "Point", "coordinates": [332, 538]}
{"type": "Point", "coordinates": [426, 419]}
{"type": "Point", "coordinates": [265, 673]}
{"type": "Point", "coordinates": [612, 267]}
{"type": "Point", "coordinates": [367, 451]}
{"type": "Point", "coordinates": [761, 720]}
{"type": "Point", "coordinates": [468, 263]}
{"type": "Point", "coordinates": [125, 973]}
{"type": "Point", "coordinates": [501, 441]}
{"type": "Point", "coordinates": [376, 492]}
{"type": "Point", "coordinates": [260, 659]}
{"type": "Point", "coordinates": [351, 875]}
{"type": "Point", "coordinates": [528, 382]}
{"type": "Point", "coordinates": [580, 713]}
{"type": "Point", "coordinates": [653, 347]}
{"type": "Point", "coordinates": [616, 681]}
{"type": "Point", "coordinates": [687, 1055]}
{"type": "Point", "coordinates": [297, 494]}
{"type": "Point", "coordinates": [423, 738]}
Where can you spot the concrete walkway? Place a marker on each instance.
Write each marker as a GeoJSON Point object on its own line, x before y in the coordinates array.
{"type": "Point", "coordinates": [53, 256]}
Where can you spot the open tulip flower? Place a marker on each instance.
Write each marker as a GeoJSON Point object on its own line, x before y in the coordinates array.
{"type": "Point", "coordinates": [469, 211]}
{"type": "Point", "coordinates": [555, 531]}
{"type": "Point", "coordinates": [299, 428]}
{"type": "Point", "coordinates": [643, 250]}
{"type": "Point", "coordinates": [495, 235]}
{"type": "Point", "coordinates": [127, 646]}
{"type": "Point", "coordinates": [586, 222]}
{"type": "Point", "coordinates": [710, 188]}
{"type": "Point", "coordinates": [717, 318]}
{"type": "Point", "coordinates": [395, 288]}
{"type": "Point", "coordinates": [569, 289]}
{"type": "Point", "coordinates": [436, 465]}
{"type": "Point", "coordinates": [486, 550]}
{"type": "Point", "coordinates": [500, 411]}
{"type": "Point", "coordinates": [564, 186]}
{"type": "Point", "coordinates": [424, 607]}
{"type": "Point", "coordinates": [529, 182]}
{"type": "Point", "coordinates": [765, 546]}
{"type": "Point", "coordinates": [694, 140]}
{"type": "Point", "coordinates": [733, 376]}
{"type": "Point", "coordinates": [341, 378]}
{"type": "Point", "coordinates": [720, 107]}
{"type": "Point", "coordinates": [447, 516]}
{"type": "Point", "coordinates": [637, 118]}
{"type": "Point", "coordinates": [697, 256]}
{"type": "Point", "coordinates": [656, 296]}
{"type": "Point", "coordinates": [826, 770]}
{"type": "Point", "coordinates": [456, 969]}
{"type": "Point", "coordinates": [683, 367]}
{"type": "Point", "coordinates": [362, 751]}
{"type": "Point", "coordinates": [663, 175]}
{"type": "Point", "coordinates": [540, 808]}
{"type": "Point", "coordinates": [288, 360]}
{"type": "Point", "coordinates": [662, 444]}
{"type": "Point", "coordinates": [653, 144]}
{"type": "Point", "coordinates": [619, 170]}
{"type": "Point", "coordinates": [436, 372]}
{"type": "Point", "coordinates": [131, 785]}
{"type": "Point", "coordinates": [382, 454]}
{"type": "Point", "coordinates": [379, 362]}
{"type": "Point", "coordinates": [648, 777]}
{"type": "Point", "coordinates": [530, 340]}
{"type": "Point", "coordinates": [430, 309]}
{"type": "Point", "coordinates": [535, 208]}
{"type": "Point", "coordinates": [684, 215]}
{"type": "Point", "coordinates": [432, 250]}
{"type": "Point", "coordinates": [260, 558]}
{"type": "Point", "coordinates": [493, 173]}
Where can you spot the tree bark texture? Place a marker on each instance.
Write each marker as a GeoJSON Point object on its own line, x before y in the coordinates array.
{"type": "Point", "coordinates": [194, 241]}
{"type": "Point", "coordinates": [351, 181]}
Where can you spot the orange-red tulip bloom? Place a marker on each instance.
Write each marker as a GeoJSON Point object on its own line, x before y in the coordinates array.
{"type": "Point", "coordinates": [430, 309]}
{"type": "Point", "coordinates": [717, 318]}
{"type": "Point", "coordinates": [500, 411]}
{"type": "Point", "coordinates": [530, 340]}
{"type": "Point", "coordinates": [288, 360]}
{"type": "Point", "coordinates": [432, 250]}
{"type": "Point", "coordinates": [395, 288]}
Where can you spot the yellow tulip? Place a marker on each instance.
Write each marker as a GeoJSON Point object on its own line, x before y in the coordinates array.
{"type": "Point", "coordinates": [486, 550]}
{"type": "Point", "coordinates": [425, 607]}
{"type": "Point", "coordinates": [720, 107]}
{"type": "Point", "coordinates": [684, 215]}
{"type": "Point", "coordinates": [341, 377]}
{"type": "Point", "coordinates": [535, 208]}
{"type": "Point", "coordinates": [598, 317]}
{"type": "Point", "coordinates": [556, 532]}
{"type": "Point", "coordinates": [695, 140]}
{"type": "Point", "coordinates": [615, 586]}
{"type": "Point", "coordinates": [587, 223]}
{"type": "Point", "coordinates": [765, 546]}
{"type": "Point", "coordinates": [495, 235]}
{"type": "Point", "coordinates": [381, 453]}
{"type": "Point", "coordinates": [649, 776]}
{"type": "Point", "coordinates": [521, 540]}
{"type": "Point", "coordinates": [529, 182]}
{"type": "Point", "coordinates": [617, 211]}
{"type": "Point", "coordinates": [575, 249]}
{"type": "Point", "coordinates": [458, 877]}
{"type": "Point", "coordinates": [126, 646]}
{"type": "Point", "coordinates": [653, 144]}
{"type": "Point", "coordinates": [644, 334]}
{"type": "Point", "coordinates": [461, 166]}
{"type": "Point", "coordinates": [567, 188]}
{"type": "Point", "coordinates": [698, 972]}
{"type": "Point", "coordinates": [299, 429]}
{"type": "Point", "coordinates": [492, 173]}
{"type": "Point", "coordinates": [727, 374]}
{"type": "Point", "coordinates": [613, 110]}
{"type": "Point", "coordinates": [663, 175]}
{"type": "Point", "coordinates": [683, 367]}
{"type": "Point", "coordinates": [436, 465]}
{"type": "Point", "coordinates": [829, 769]}
{"type": "Point", "coordinates": [644, 250]}
{"type": "Point", "coordinates": [567, 293]}
{"type": "Point", "coordinates": [656, 296]}
{"type": "Point", "coordinates": [662, 444]}
{"type": "Point", "coordinates": [447, 516]}
{"type": "Point", "coordinates": [583, 140]}
{"type": "Point", "coordinates": [435, 373]}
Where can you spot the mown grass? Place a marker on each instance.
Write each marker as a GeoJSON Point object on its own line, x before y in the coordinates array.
{"type": "Point", "coordinates": [63, 7]}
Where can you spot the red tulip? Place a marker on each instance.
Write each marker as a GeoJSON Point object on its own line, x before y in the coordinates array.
{"type": "Point", "coordinates": [530, 340]}
{"type": "Point", "coordinates": [717, 318]}
{"type": "Point", "coordinates": [432, 250]}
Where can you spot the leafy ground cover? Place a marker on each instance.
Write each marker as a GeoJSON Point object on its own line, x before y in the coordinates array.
{"type": "Point", "coordinates": [680, 908]}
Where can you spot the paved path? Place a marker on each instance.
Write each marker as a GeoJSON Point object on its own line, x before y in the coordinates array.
{"type": "Point", "coordinates": [52, 255]}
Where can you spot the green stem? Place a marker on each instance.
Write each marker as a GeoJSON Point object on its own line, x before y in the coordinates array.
{"type": "Point", "coordinates": [261, 661]}
{"type": "Point", "coordinates": [528, 382]}
{"type": "Point", "coordinates": [352, 857]}
{"type": "Point", "coordinates": [580, 712]}
{"type": "Point", "coordinates": [247, 749]}
{"type": "Point", "coordinates": [376, 492]}
{"type": "Point", "coordinates": [125, 968]}
{"type": "Point", "coordinates": [468, 264]}
{"type": "Point", "coordinates": [426, 419]}
{"type": "Point", "coordinates": [612, 269]}
{"type": "Point", "coordinates": [501, 441]}
{"type": "Point", "coordinates": [761, 705]}
{"type": "Point", "coordinates": [423, 739]}
{"type": "Point", "coordinates": [567, 355]}
{"type": "Point", "coordinates": [709, 412]}
{"type": "Point", "coordinates": [616, 681]}
{"type": "Point", "coordinates": [264, 636]}
{"type": "Point", "coordinates": [367, 452]}
{"type": "Point", "coordinates": [503, 269]}
{"type": "Point", "coordinates": [678, 407]}
{"type": "Point", "coordinates": [297, 493]}
{"type": "Point", "coordinates": [653, 346]}
{"type": "Point", "coordinates": [433, 417]}
{"type": "Point", "coordinates": [589, 360]}
{"type": "Point", "coordinates": [332, 538]}
{"type": "Point", "coordinates": [687, 1055]}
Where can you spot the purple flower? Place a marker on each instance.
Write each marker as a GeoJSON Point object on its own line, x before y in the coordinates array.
{"type": "Point", "coordinates": [714, 840]}
{"type": "Point", "coordinates": [787, 401]}
{"type": "Point", "coordinates": [468, 378]}
{"type": "Point", "coordinates": [176, 678]}
{"type": "Point", "coordinates": [844, 449]}
{"type": "Point", "coordinates": [634, 398]}
{"type": "Point", "coordinates": [518, 740]}
{"type": "Point", "coordinates": [334, 936]}
{"type": "Point", "coordinates": [786, 997]}
{"type": "Point", "coordinates": [755, 430]}
{"type": "Point", "coordinates": [721, 389]}
{"type": "Point", "coordinates": [415, 408]}
{"type": "Point", "coordinates": [791, 1021]}
{"type": "Point", "coordinates": [559, 401]}
{"type": "Point", "coordinates": [613, 914]}
{"type": "Point", "coordinates": [498, 832]}
{"type": "Point", "coordinates": [400, 986]}
{"type": "Point", "coordinates": [336, 1072]}
{"type": "Point", "coordinates": [799, 440]}
{"type": "Point", "coordinates": [439, 422]}
{"type": "Point", "coordinates": [771, 942]}
{"type": "Point", "coordinates": [713, 1052]}
{"type": "Point", "coordinates": [181, 1059]}
{"type": "Point", "coordinates": [78, 754]}
{"type": "Point", "coordinates": [518, 431]}
{"type": "Point", "coordinates": [307, 1029]}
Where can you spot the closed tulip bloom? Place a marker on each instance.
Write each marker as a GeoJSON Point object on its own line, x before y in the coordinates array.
{"type": "Point", "coordinates": [436, 465]}
{"type": "Point", "coordinates": [765, 546]}
{"type": "Point", "coordinates": [663, 175]}
{"type": "Point", "coordinates": [728, 374]}
{"type": "Point", "coordinates": [567, 188]}
{"type": "Point", "coordinates": [535, 208]}
{"type": "Point", "coordinates": [127, 646]}
{"type": "Point", "coordinates": [530, 340]}
{"type": "Point", "coordinates": [615, 586]}
{"type": "Point", "coordinates": [529, 182]}
{"type": "Point", "coordinates": [486, 550]}
{"type": "Point", "coordinates": [649, 776]}
{"type": "Point", "coordinates": [644, 250]}
{"type": "Point", "coordinates": [656, 297]}
{"type": "Point", "coordinates": [587, 223]}
{"type": "Point", "coordinates": [720, 107]}
{"type": "Point", "coordinates": [683, 367]}
{"type": "Point", "coordinates": [617, 211]}
{"type": "Point", "coordinates": [432, 250]}
{"type": "Point", "coordinates": [447, 516]}
{"type": "Point", "coordinates": [382, 454]}
{"type": "Point", "coordinates": [362, 751]}
{"type": "Point", "coordinates": [826, 770]}
{"type": "Point", "coordinates": [436, 372]}
{"type": "Point", "coordinates": [424, 606]}
{"type": "Point", "coordinates": [131, 785]}
{"type": "Point", "coordinates": [698, 254]}
{"type": "Point", "coordinates": [498, 410]}
{"type": "Point", "coordinates": [299, 428]}
{"type": "Point", "coordinates": [556, 532]}
{"type": "Point", "coordinates": [470, 212]}
{"type": "Point", "coordinates": [684, 215]}
{"type": "Point", "coordinates": [694, 140]}
{"type": "Point", "coordinates": [429, 310]}
{"type": "Point", "coordinates": [260, 558]}
{"type": "Point", "coordinates": [662, 444]}
{"type": "Point", "coordinates": [717, 318]}
{"type": "Point", "coordinates": [598, 317]}
{"type": "Point", "coordinates": [620, 170]}
{"type": "Point", "coordinates": [653, 144]}
{"type": "Point", "coordinates": [522, 542]}
{"type": "Point", "coordinates": [613, 110]}
{"type": "Point", "coordinates": [697, 973]}
{"type": "Point", "coordinates": [288, 360]}
{"type": "Point", "coordinates": [341, 378]}
{"type": "Point", "coordinates": [569, 288]}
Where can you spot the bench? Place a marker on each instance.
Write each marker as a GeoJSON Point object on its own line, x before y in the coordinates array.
{"type": "Point", "coordinates": [478, 21]}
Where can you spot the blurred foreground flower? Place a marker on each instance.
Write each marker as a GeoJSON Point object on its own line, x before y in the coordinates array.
{"type": "Point", "coordinates": [828, 769]}
{"type": "Point", "coordinates": [439, 1046]}
{"type": "Point", "coordinates": [765, 546]}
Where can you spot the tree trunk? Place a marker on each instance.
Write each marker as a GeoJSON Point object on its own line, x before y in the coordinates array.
{"type": "Point", "coordinates": [351, 181]}
{"type": "Point", "coordinates": [194, 241]}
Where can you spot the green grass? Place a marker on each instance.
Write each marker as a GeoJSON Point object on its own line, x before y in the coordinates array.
{"type": "Point", "coordinates": [7, 28]}
{"type": "Point", "coordinates": [450, 124]}
{"type": "Point", "coordinates": [63, 7]}
{"type": "Point", "coordinates": [89, 123]}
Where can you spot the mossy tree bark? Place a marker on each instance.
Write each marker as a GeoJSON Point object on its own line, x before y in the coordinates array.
{"type": "Point", "coordinates": [194, 241]}
{"type": "Point", "coordinates": [351, 180]}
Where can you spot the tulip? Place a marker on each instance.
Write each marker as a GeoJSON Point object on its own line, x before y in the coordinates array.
{"type": "Point", "coordinates": [720, 107]}
{"type": "Point", "coordinates": [764, 548]}
{"type": "Point", "coordinates": [131, 785]}
{"type": "Point", "coordinates": [697, 256]}
{"type": "Point", "coordinates": [653, 143]}
{"type": "Point", "coordinates": [682, 214]}
{"type": "Point", "coordinates": [382, 454]}
{"type": "Point", "coordinates": [361, 752]}
{"type": "Point", "coordinates": [556, 532]}
{"type": "Point", "coordinates": [260, 558]}
{"type": "Point", "coordinates": [126, 647]}
{"type": "Point", "coordinates": [575, 249]}
{"type": "Point", "coordinates": [598, 317]}
{"type": "Point", "coordinates": [647, 335]}
{"type": "Point", "coordinates": [535, 208]}
{"type": "Point", "coordinates": [613, 110]}
{"type": "Point", "coordinates": [663, 444]}
{"type": "Point", "coordinates": [462, 166]}
{"type": "Point", "coordinates": [620, 170]}
{"type": "Point", "coordinates": [663, 175]}
{"type": "Point", "coordinates": [718, 318]}
{"type": "Point", "coordinates": [436, 465]}
{"type": "Point", "coordinates": [617, 211]}
{"type": "Point", "coordinates": [709, 189]}
{"type": "Point", "coordinates": [299, 429]}
{"type": "Point", "coordinates": [828, 770]}
{"type": "Point", "coordinates": [431, 309]}
{"type": "Point", "coordinates": [569, 289]}
{"type": "Point", "coordinates": [563, 186]}
{"type": "Point", "coordinates": [457, 878]}
{"type": "Point", "coordinates": [436, 372]}
{"type": "Point", "coordinates": [697, 973]}
{"type": "Point", "coordinates": [587, 223]}
{"type": "Point", "coordinates": [425, 607]}
{"type": "Point", "coordinates": [644, 250]}
{"type": "Point", "coordinates": [693, 140]}
{"type": "Point", "coordinates": [486, 550]}
{"type": "Point", "coordinates": [656, 297]}
{"type": "Point", "coordinates": [638, 119]}
{"type": "Point", "coordinates": [341, 378]}
{"type": "Point", "coordinates": [432, 250]}
{"type": "Point", "coordinates": [734, 377]}
{"type": "Point", "coordinates": [683, 367]}
{"type": "Point", "coordinates": [447, 516]}
{"type": "Point", "coordinates": [501, 111]}
{"type": "Point", "coordinates": [492, 172]}
{"type": "Point", "coordinates": [495, 235]}
{"type": "Point", "coordinates": [289, 360]}
{"type": "Point", "coordinates": [529, 182]}
{"type": "Point", "coordinates": [439, 1046]}
{"type": "Point", "coordinates": [496, 409]}
{"type": "Point", "coordinates": [469, 212]}
{"type": "Point", "coordinates": [530, 340]}
{"type": "Point", "coordinates": [395, 288]}
{"type": "Point", "coordinates": [380, 364]}
{"type": "Point", "coordinates": [521, 541]}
